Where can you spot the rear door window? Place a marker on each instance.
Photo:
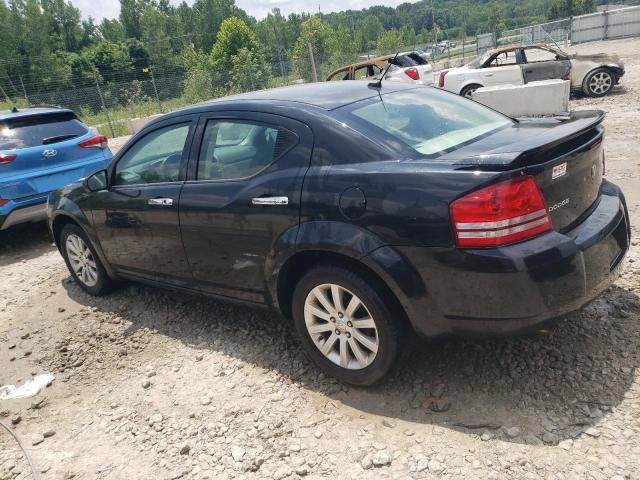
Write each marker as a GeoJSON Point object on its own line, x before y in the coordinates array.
{"type": "Point", "coordinates": [37, 130]}
{"type": "Point", "coordinates": [235, 149]}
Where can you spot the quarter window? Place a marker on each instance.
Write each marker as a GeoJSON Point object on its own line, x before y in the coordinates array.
{"type": "Point", "coordinates": [235, 149]}
{"type": "Point", "coordinates": [155, 158]}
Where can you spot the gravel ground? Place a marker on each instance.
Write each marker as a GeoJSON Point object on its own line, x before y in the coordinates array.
{"type": "Point", "coordinates": [154, 384]}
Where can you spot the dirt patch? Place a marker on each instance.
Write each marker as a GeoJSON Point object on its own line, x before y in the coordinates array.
{"type": "Point", "coordinates": [154, 384]}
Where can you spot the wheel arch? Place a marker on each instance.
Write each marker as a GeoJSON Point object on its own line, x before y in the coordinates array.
{"type": "Point", "coordinates": [303, 261]}
{"type": "Point", "coordinates": [468, 84]}
{"type": "Point", "coordinates": [65, 217]}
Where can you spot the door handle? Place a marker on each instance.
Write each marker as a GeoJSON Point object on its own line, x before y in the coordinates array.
{"type": "Point", "coordinates": [163, 202]}
{"type": "Point", "coordinates": [488, 74]}
{"type": "Point", "coordinates": [270, 201]}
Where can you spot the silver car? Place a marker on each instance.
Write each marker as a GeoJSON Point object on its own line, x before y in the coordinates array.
{"type": "Point", "coordinates": [593, 75]}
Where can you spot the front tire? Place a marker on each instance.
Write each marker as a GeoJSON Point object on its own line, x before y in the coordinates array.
{"type": "Point", "coordinates": [345, 325]}
{"type": "Point", "coordinates": [598, 83]}
{"type": "Point", "coordinates": [83, 262]}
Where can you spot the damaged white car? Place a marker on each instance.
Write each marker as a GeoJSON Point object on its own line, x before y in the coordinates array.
{"type": "Point", "coordinates": [592, 75]}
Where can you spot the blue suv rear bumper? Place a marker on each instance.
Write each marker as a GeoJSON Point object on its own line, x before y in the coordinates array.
{"type": "Point", "coordinates": [23, 210]}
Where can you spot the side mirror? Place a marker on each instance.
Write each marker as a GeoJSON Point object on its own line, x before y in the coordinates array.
{"type": "Point", "coordinates": [98, 181]}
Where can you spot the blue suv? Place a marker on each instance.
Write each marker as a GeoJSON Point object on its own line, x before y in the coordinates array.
{"type": "Point", "coordinates": [41, 150]}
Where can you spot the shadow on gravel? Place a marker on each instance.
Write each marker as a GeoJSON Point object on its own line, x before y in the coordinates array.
{"type": "Point", "coordinates": [24, 242]}
{"type": "Point", "coordinates": [542, 388]}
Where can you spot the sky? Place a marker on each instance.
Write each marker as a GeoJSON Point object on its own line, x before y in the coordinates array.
{"type": "Point", "coordinates": [257, 8]}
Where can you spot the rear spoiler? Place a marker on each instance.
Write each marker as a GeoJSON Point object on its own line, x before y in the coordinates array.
{"type": "Point", "coordinates": [562, 131]}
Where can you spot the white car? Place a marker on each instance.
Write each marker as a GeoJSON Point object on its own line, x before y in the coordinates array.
{"type": "Point", "coordinates": [592, 75]}
{"type": "Point", "coordinates": [408, 67]}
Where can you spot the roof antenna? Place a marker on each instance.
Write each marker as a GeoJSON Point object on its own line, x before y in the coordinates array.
{"type": "Point", "coordinates": [378, 84]}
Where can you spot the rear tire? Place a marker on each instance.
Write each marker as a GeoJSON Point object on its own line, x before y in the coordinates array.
{"type": "Point", "coordinates": [598, 82]}
{"type": "Point", "coordinates": [346, 326]}
{"type": "Point", "coordinates": [83, 262]}
{"type": "Point", "coordinates": [469, 89]}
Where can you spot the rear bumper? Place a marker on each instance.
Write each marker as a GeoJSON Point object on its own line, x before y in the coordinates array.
{"type": "Point", "coordinates": [25, 210]}
{"type": "Point", "coordinates": [28, 192]}
{"type": "Point", "coordinates": [519, 287]}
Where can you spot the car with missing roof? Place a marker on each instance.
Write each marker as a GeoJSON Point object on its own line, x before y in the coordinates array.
{"type": "Point", "coordinates": [366, 212]}
{"type": "Point", "coordinates": [41, 150]}
{"type": "Point", "coordinates": [592, 75]}
{"type": "Point", "coordinates": [409, 67]}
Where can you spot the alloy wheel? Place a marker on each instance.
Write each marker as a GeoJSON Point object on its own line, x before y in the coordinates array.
{"type": "Point", "coordinates": [600, 83]}
{"type": "Point", "coordinates": [341, 326]}
{"type": "Point", "coordinates": [81, 260]}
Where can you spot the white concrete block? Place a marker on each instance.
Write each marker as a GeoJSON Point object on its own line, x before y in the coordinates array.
{"type": "Point", "coordinates": [136, 124]}
{"type": "Point", "coordinates": [546, 97]}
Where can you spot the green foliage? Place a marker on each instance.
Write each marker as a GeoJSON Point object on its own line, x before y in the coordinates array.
{"type": "Point", "coordinates": [234, 35]}
{"type": "Point", "coordinates": [249, 71]}
{"type": "Point", "coordinates": [390, 41]}
{"type": "Point", "coordinates": [314, 33]}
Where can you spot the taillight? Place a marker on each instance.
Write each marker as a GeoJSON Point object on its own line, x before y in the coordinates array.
{"type": "Point", "coordinates": [443, 74]}
{"type": "Point", "coordinates": [6, 158]}
{"type": "Point", "coordinates": [412, 73]}
{"type": "Point", "coordinates": [3, 202]}
{"type": "Point", "coordinates": [500, 214]}
{"type": "Point", "coordinates": [97, 141]}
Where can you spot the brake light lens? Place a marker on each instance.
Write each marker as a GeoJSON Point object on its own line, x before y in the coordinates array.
{"type": "Point", "coordinates": [6, 158]}
{"type": "Point", "coordinates": [501, 214]}
{"type": "Point", "coordinates": [412, 73]}
{"type": "Point", "coordinates": [443, 74]}
{"type": "Point", "coordinates": [3, 202]}
{"type": "Point", "coordinates": [97, 141]}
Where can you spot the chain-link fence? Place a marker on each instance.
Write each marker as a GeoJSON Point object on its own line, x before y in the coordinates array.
{"type": "Point", "coordinates": [107, 97]}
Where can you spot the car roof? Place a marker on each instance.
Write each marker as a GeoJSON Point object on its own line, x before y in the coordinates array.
{"type": "Point", "coordinates": [29, 111]}
{"type": "Point", "coordinates": [324, 95]}
{"type": "Point", "coordinates": [519, 47]}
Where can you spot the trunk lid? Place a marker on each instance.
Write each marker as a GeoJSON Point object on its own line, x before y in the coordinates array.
{"type": "Point", "coordinates": [565, 155]}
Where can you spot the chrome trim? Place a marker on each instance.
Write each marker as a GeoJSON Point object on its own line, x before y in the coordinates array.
{"type": "Point", "coordinates": [502, 223]}
{"type": "Point", "coordinates": [503, 232]}
{"type": "Point", "coordinates": [163, 202]}
{"type": "Point", "coordinates": [270, 201]}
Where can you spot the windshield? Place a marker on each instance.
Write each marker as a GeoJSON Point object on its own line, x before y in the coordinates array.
{"type": "Point", "coordinates": [428, 120]}
{"type": "Point", "coordinates": [479, 61]}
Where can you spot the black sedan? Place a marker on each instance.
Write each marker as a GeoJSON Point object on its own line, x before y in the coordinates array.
{"type": "Point", "coordinates": [364, 214]}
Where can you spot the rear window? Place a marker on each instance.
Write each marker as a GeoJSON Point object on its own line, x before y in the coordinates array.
{"type": "Point", "coordinates": [417, 58]}
{"type": "Point", "coordinates": [36, 130]}
{"type": "Point", "coordinates": [430, 121]}
{"type": "Point", "coordinates": [404, 61]}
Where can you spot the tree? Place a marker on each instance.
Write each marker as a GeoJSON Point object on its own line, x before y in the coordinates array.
{"type": "Point", "coordinates": [208, 16]}
{"type": "Point", "coordinates": [249, 70]}
{"type": "Point", "coordinates": [112, 31]}
{"type": "Point", "coordinates": [234, 34]}
{"type": "Point", "coordinates": [390, 42]}
{"type": "Point", "coordinates": [316, 33]}
{"type": "Point", "coordinates": [371, 28]}
{"type": "Point", "coordinates": [130, 11]}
